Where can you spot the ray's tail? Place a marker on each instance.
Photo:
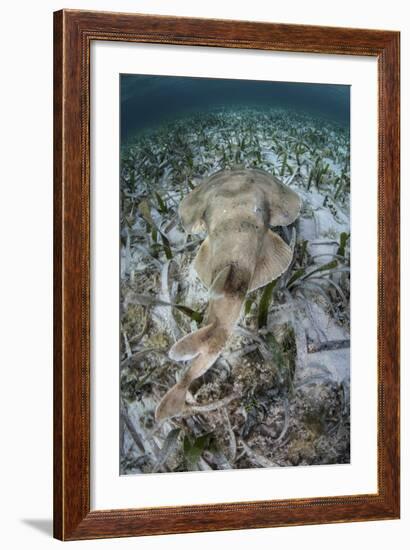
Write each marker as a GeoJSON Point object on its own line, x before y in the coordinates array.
{"type": "Point", "coordinates": [203, 347]}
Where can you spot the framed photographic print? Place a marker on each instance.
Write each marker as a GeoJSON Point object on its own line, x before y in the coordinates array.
{"type": "Point", "coordinates": [226, 336]}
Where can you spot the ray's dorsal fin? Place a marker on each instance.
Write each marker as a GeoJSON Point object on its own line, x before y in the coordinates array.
{"type": "Point", "coordinates": [218, 285]}
{"type": "Point", "coordinates": [202, 263]}
{"type": "Point", "coordinates": [173, 402]}
{"type": "Point", "coordinates": [191, 345]}
{"type": "Point", "coordinates": [274, 259]}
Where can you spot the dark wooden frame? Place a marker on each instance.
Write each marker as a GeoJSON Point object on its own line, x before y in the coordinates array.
{"type": "Point", "coordinates": [73, 33]}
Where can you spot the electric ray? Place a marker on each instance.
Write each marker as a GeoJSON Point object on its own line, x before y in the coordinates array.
{"type": "Point", "coordinates": [240, 254]}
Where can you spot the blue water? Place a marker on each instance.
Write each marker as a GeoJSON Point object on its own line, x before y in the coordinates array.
{"type": "Point", "coordinates": [147, 101]}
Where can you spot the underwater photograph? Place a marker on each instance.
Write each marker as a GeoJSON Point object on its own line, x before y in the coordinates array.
{"type": "Point", "coordinates": [234, 253]}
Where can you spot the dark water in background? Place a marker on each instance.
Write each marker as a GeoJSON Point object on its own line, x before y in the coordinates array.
{"type": "Point", "coordinates": [147, 101]}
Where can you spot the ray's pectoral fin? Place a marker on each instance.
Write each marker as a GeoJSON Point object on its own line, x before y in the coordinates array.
{"type": "Point", "coordinates": [275, 257]}
{"type": "Point", "coordinates": [202, 263]}
{"type": "Point", "coordinates": [191, 210]}
{"type": "Point", "coordinates": [193, 206]}
{"type": "Point", "coordinates": [284, 203]}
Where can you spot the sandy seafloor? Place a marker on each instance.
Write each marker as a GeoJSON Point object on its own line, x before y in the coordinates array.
{"type": "Point", "coordinates": [279, 394]}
